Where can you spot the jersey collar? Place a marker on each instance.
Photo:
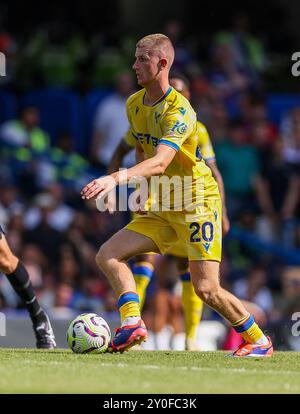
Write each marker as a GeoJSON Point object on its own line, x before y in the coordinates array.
{"type": "Point", "coordinates": [160, 99]}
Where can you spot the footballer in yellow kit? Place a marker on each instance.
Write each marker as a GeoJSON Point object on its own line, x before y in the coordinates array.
{"type": "Point", "coordinates": [164, 125]}
{"type": "Point", "coordinates": [171, 121]}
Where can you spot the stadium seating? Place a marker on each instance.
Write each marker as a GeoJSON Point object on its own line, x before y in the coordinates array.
{"type": "Point", "coordinates": [62, 110]}
{"type": "Point", "coordinates": [8, 106]}
{"type": "Point", "coordinates": [280, 104]}
{"type": "Point", "coordinates": [59, 110]}
{"type": "Point", "coordinates": [89, 106]}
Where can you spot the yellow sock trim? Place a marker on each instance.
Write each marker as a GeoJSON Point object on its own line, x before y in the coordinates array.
{"type": "Point", "coordinates": [192, 308]}
{"type": "Point", "coordinates": [253, 334]}
{"type": "Point", "coordinates": [129, 309]}
{"type": "Point", "coordinates": [241, 321]}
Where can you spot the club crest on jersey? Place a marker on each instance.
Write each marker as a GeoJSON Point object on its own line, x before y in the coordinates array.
{"type": "Point", "coordinates": [180, 128]}
{"type": "Point", "coordinates": [182, 111]}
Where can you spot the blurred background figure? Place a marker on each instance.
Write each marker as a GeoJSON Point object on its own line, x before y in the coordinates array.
{"type": "Point", "coordinates": [110, 123]}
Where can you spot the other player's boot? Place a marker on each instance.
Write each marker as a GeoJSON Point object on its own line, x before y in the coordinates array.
{"type": "Point", "coordinates": [128, 336]}
{"type": "Point", "coordinates": [253, 351]}
{"type": "Point", "coordinates": [45, 338]}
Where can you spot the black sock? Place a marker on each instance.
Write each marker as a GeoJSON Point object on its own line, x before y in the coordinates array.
{"type": "Point", "coordinates": [19, 279]}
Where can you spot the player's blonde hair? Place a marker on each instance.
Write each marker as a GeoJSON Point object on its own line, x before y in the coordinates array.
{"type": "Point", "coordinates": [160, 44]}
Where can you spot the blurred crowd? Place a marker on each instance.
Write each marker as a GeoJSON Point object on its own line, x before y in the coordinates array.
{"type": "Point", "coordinates": [57, 235]}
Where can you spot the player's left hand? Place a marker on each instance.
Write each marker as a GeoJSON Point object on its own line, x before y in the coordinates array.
{"type": "Point", "coordinates": [101, 186]}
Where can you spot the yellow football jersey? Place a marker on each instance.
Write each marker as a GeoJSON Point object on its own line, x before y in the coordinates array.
{"type": "Point", "coordinates": [204, 143]}
{"type": "Point", "coordinates": [172, 121]}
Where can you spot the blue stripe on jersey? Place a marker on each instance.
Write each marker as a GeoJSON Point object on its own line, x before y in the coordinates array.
{"type": "Point", "coordinates": [169, 143]}
{"type": "Point", "coordinates": [161, 99]}
{"type": "Point", "coordinates": [164, 97]}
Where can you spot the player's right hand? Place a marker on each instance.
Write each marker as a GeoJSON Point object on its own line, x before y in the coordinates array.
{"type": "Point", "coordinates": [101, 186]}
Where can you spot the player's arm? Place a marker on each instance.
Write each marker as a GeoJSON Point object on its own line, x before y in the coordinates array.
{"type": "Point", "coordinates": [139, 153]}
{"type": "Point", "coordinates": [155, 165]}
{"type": "Point", "coordinates": [118, 156]}
{"type": "Point", "coordinates": [174, 132]}
{"type": "Point", "coordinates": [292, 197]}
{"type": "Point", "coordinates": [264, 198]}
{"type": "Point", "coordinates": [212, 164]}
{"type": "Point", "coordinates": [127, 144]}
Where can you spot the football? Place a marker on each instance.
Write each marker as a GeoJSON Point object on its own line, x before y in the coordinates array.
{"type": "Point", "coordinates": [88, 333]}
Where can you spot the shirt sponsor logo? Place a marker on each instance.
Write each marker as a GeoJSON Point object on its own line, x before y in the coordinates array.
{"type": "Point", "coordinates": [179, 127]}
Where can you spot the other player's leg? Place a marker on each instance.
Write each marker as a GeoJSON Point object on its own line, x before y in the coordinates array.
{"type": "Point", "coordinates": [143, 269]}
{"type": "Point", "coordinates": [191, 303]}
{"type": "Point", "coordinates": [205, 278]}
{"type": "Point", "coordinates": [18, 277]}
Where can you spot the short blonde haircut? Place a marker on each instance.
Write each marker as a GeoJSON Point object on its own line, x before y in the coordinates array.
{"type": "Point", "coordinates": [160, 44]}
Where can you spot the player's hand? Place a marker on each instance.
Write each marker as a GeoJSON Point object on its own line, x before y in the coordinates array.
{"type": "Point", "coordinates": [100, 187]}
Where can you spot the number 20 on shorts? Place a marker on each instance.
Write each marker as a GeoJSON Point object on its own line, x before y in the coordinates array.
{"type": "Point", "coordinates": [207, 232]}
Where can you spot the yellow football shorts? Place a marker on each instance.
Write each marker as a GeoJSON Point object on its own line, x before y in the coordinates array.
{"type": "Point", "coordinates": [196, 235]}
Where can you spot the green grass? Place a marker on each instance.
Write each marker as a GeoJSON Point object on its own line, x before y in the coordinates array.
{"type": "Point", "coordinates": [61, 371]}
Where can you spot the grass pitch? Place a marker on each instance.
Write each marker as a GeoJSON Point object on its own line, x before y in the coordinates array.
{"type": "Point", "coordinates": [61, 371]}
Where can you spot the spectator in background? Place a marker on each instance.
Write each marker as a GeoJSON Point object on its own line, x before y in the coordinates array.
{"type": "Point", "coordinates": [291, 139]}
{"type": "Point", "coordinates": [43, 234]}
{"type": "Point", "coordinates": [25, 131]}
{"type": "Point", "coordinates": [239, 166]}
{"type": "Point", "coordinates": [218, 123]}
{"type": "Point", "coordinates": [70, 167]}
{"type": "Point", "coordinates": [9, 47]}
{"type": "Point", "coordinates": [228, 80]}
{"type": "Point", "coordinates": [290, 130]}
{"type": "Point", "coordinates": [111, 122]}
{"type": "Point", "coordinates": [10, 201]}
{"type": "Point", "coordinates": [278, 196]}
{"type": "Point", "coordinates": [254, 288]}
{"type": "Point", "coordinates": [61, 308]}
{"type": "Point", "coordinates": [173, 28]}
{"type": "Point", "coordinates": [60, 214]}
{"type": "Point", "coordinates": [24, 145]}
{"type": "Point", "coordinates": [247, 52]}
